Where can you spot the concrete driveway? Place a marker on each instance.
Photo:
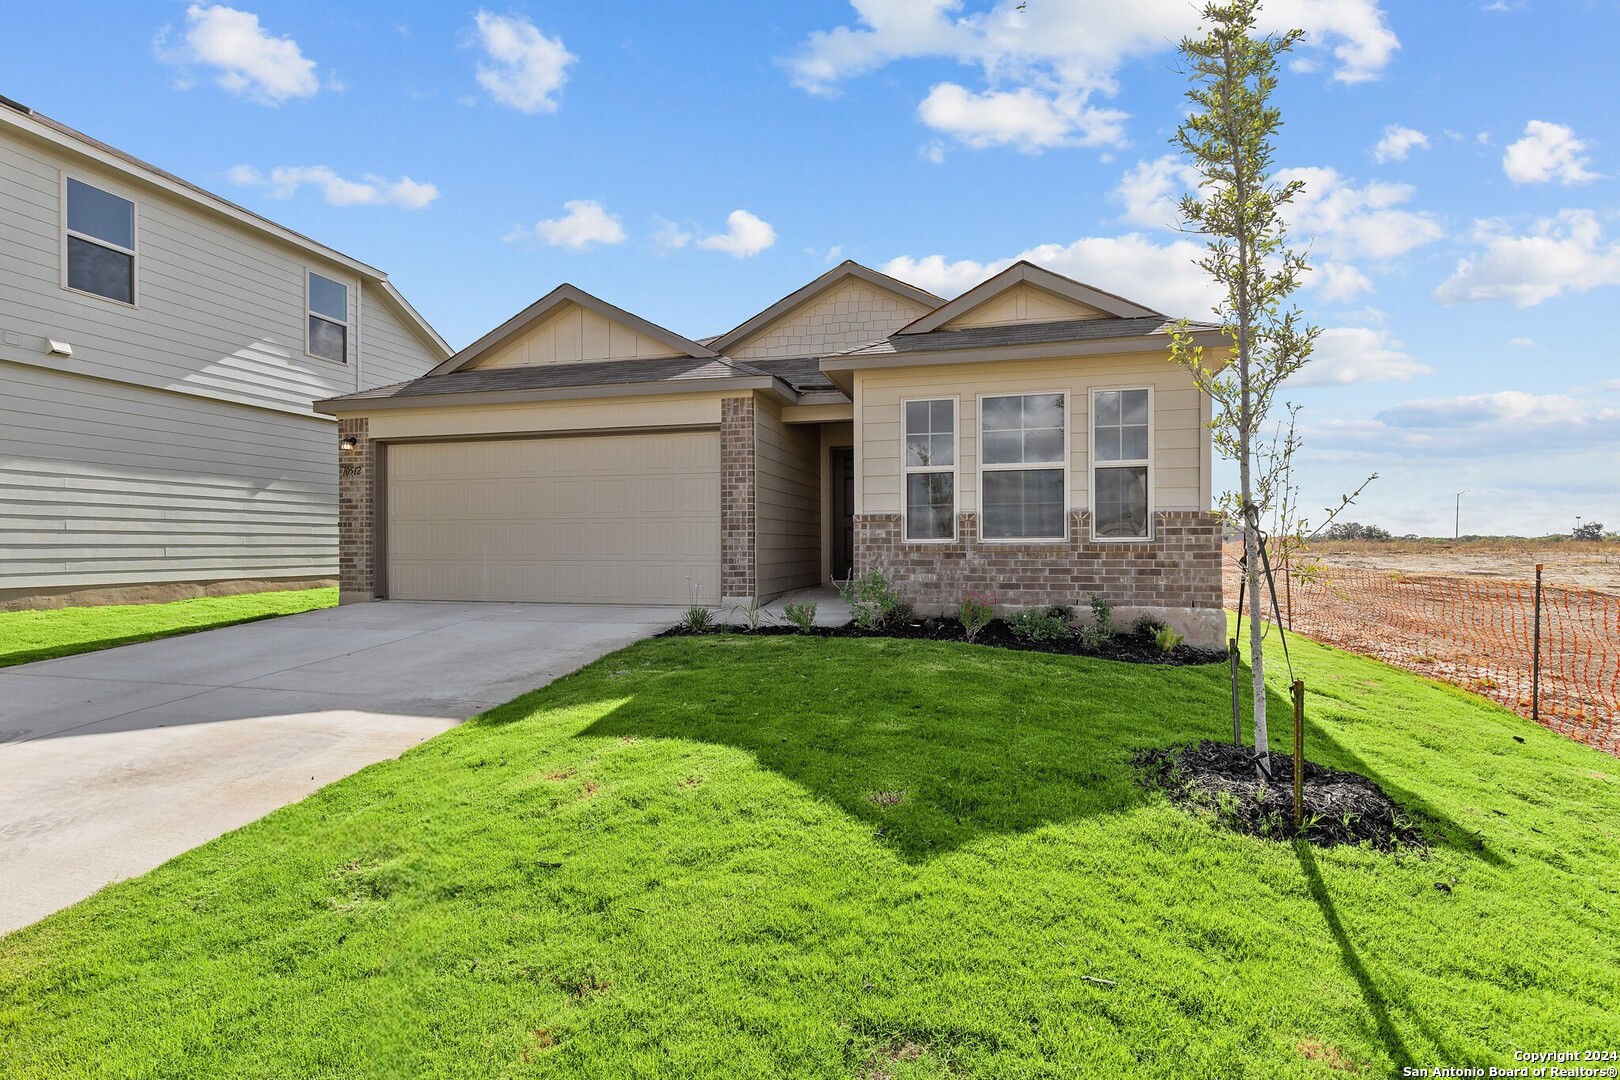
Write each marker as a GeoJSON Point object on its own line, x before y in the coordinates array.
{"type": "Point", "coordinates": [114, 762]}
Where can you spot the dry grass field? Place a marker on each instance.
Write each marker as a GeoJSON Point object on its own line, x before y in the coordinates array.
{"type": "Point", "coordinates": [1568, 564]}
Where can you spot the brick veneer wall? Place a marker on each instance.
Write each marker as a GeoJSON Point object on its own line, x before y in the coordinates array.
{"type": "Point", "coordinates": [1179, 568]}
{"type": "Point", "coordinates": [738, 518]}
{"type": "Point", "coordinates": [356, 513]}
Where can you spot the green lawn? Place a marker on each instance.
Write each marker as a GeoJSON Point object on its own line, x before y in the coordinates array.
{"type": "Point", "coordinates": [26, 636]}
{"type": "Point", "coordinates": [766, 857]}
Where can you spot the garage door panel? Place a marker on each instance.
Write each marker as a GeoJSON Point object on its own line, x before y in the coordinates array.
{"type": "Point", "coordinates": [627, 518]}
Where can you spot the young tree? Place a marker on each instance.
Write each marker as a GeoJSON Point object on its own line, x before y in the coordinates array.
{"type": "Point", "coordinates": [1228, 140]}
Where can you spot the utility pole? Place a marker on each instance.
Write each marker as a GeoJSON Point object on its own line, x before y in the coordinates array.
{"type": "Point", "coordinates": [1456, 524]}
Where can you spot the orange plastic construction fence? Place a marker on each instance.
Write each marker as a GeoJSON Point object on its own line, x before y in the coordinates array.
{"type": "Point", "coordinates": [1475, 633]}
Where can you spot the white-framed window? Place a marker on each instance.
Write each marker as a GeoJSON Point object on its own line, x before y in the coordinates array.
{"type": "Point", "coordinates": [1023, 467]}
{"type": "Point", "coordinates": [98, 242]}
{"type": "Point", "coordinates": [1122, 463]}
{"type": "Point", "coordinates": [929, 438]}
{"type": "Point", "coordinates": [328, 319]}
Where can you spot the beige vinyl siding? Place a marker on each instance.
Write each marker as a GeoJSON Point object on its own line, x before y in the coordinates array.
{"type": "Point", "coordinates": [656, 411]}
{"type": "Point", "coordinates": [787, 478]}
{"type": "Point", "coordinates": [108, 484]}
{"type": "Point", "coordinates": [390, 352]}
{"type": "Point", "coordinates": [220, 309]}
{"type": "Point", "coordinates": [1179, 476]}
{"type": "Point", "coordinates": [576, 334]}
{"type": "Point", "coordinates": [594, 519]}
{"type": "Point", "coordinates": [1020, 304]}
{"type": "Point", "coordinates": [852, 314]}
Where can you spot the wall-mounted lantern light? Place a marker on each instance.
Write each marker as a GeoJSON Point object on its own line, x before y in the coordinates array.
{"type": "Point", "coordinates": [349, 442]}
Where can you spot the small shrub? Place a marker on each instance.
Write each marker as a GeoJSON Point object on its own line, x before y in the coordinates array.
{"type": "Point", "coordinates": [975, 611]}
{"type": "Point", "coordinates": [753, 615]}
{"type": "Point", "coordinates": [1065, 612]}
{"type": "Point", "coordinates": [801, 613]}
{"type": "Point", "coordinates": [872, 604]}
{"type": "Point", "coordinates": [698, 620]}
{"type": "Point", "coordinates": [1102, 615]}
{"type": "Point", "coordinates": [1148, 627]}
{"type": "Point", "coordinates": [1166, 639]}
{"type": "Point", "coordinates": [1038, 624]}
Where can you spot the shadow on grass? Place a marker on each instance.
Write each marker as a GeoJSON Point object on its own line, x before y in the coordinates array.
{"type": "Point", "coordinates": [935, 747]}
{"type": "Point", "coordinates": [1321, 747]}
{"type": "Point", "coordinates": [1378, 1006]}
{"type": "Point", "coordinates": [75, 648]}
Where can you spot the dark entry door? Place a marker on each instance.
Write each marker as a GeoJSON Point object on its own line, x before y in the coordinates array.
{"type": "Point", "coordinates": [841, 471]}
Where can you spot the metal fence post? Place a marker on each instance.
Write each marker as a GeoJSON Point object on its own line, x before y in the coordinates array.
{"type": "Point", "coordinates": [1535, 656]}
{"type": "Point", "coordinates": [1237, 713]}
{"type": "Point", "coordinates": [1299, 752]}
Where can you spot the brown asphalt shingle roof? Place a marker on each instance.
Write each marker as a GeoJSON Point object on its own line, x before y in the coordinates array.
{"type": "Point", "coordinates": [562, 376]}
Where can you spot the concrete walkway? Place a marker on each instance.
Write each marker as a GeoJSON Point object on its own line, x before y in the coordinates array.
{"type": "Point", "coordinates": [114, 762]}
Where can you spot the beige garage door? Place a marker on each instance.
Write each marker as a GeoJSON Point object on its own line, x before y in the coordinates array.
{"type": "Point", "coordinates": [613, 519]}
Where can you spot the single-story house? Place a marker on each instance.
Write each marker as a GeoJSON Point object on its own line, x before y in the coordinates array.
{"type": "Point", "coordinates": [160, 348]}
{"type": "Point", "coordinates": [1030, 439]}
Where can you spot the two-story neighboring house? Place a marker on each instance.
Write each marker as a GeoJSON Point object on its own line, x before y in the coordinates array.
{"type": "Point", "coordinates": [159, 351]}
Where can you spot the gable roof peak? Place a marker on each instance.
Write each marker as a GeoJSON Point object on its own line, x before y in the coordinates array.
{"type": "Point", "coordinates": [547, 305]}
{"type": "Point", "coordinates": [845, 270]}
{"type": "Point", "coordinates": [1110, 304]}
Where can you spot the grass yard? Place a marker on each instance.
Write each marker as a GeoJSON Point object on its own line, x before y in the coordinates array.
{"type": "Point", "coordinates": [767, 857]}
{"type": "Point", "coordinates": [26, 636]}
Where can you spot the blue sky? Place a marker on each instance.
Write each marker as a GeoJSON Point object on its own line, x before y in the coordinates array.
{"type": "Point", "coordinates": [693, 163]}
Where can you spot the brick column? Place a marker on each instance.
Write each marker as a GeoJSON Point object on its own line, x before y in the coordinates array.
{"type": "Point", "coordinates": [356, 497]}
{"type": "Point", "coordinates": [737, 499]}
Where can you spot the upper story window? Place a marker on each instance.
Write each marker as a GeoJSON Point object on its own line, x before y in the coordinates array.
{"type": "Point", "coordinates": [328, 319]}
{"type": "Point", "coordinates": [1120, 462]}
{"type": "Point", "coordinates": [100, 242]}
{"type": "Point", "coordinates": [1023, 474]}
{"type": "Point", "coordinates": [930, 469]}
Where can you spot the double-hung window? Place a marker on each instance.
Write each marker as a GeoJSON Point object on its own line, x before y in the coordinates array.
{"type": "Point", "coordinates": [100, 245]}
{"type": "Point", "coordinates": [1121, 440]}
{"type": "Point", "coordinates": [328, 318]}
{"type": "Point", "coordinates": [1022, 471]}
{"type": "Point", "coordinates": [930, 469]}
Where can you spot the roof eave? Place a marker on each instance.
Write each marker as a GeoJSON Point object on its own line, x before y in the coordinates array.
{"type": "Point", "coordinates": [355, 404]}
{"type": "Point", "coordinates": [839, 368]}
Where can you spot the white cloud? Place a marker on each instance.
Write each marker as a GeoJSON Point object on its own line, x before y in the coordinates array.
{"type": "Point", "coordinates": [1042, 62]}
{"type": "Point", "coordinates": [1566, 253]}
{"type": "Point", "coordinates": [1511, 425]}
{"type": "Point", "coordinates": [526, 69]}
{"type": "Point", "coordinates": [249, 61]}
{"type": "Point", "coordinates": [745, 235]}
{"type": "Point", "coordinates": [1151, 190]}
{"type": "Point", "coordinates": [370, 190]}
{"type": "Point", "coordinates": [1024, 119]}
{"type": "Point", "coordinates": [1347, 222]}
{"type": "Point", "coordinates": [1547, 152]}
{"type": "Point", "coordinates": [1523, 343]}
{"type": "Point", "coordinates": [933, 153]}
{"type": "Point", "coordinates": [586, 223]}
{"type": "Point", "coordinates": [1163, 276]}
{"type": "Point", "coordinates": [1357, 354]}
{"type": "Point", "coordinates": [670, 236]}
{"type": "Point", "coordinates": [1337, 282]}
{"type": "Point", "coordinates": [1398, 143]}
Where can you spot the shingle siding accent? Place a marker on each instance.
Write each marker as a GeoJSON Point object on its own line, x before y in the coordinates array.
{"type": "Point", "coordinates": [1179, 568]}
{"type": "Point", "coordinates": [738, 499]}
{"type": "Point", "coordinates": [851, 314]}
{"type": "Point", "coordinates": [356, 513]}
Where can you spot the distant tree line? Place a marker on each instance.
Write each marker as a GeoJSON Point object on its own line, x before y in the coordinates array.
{"type": "Point", "coordinates": [1355, 530]}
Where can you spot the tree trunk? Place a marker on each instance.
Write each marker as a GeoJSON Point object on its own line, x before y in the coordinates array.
{"type": "Point", "coordinates": [1257, 658]}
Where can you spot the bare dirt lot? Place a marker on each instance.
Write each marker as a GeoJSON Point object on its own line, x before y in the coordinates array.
{"type": "Point", "coordinates": [1571, 565]}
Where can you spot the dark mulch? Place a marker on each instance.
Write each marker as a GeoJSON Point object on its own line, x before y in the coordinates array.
{"type": "Point", "coordinates": [1131, 648]}
{"type": "Point", "coordinates": [1219, 778]}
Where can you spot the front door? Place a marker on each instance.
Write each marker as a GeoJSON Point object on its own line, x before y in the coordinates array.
{"type": "Point", "coordinates": [841, 471]}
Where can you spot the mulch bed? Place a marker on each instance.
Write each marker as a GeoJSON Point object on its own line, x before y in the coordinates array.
{"type": "Point", "coordinates": [1129, 648]}
{"type": "Point", "coordinates": [1221, 779]}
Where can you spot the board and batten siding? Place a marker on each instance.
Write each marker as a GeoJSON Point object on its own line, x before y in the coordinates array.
{"type": "Point", "coordinates": [1180, 462]}
{"type": "Point", "coordinates": [177, 443]}
{"type": "Point", "coordinates": [787, 508]}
